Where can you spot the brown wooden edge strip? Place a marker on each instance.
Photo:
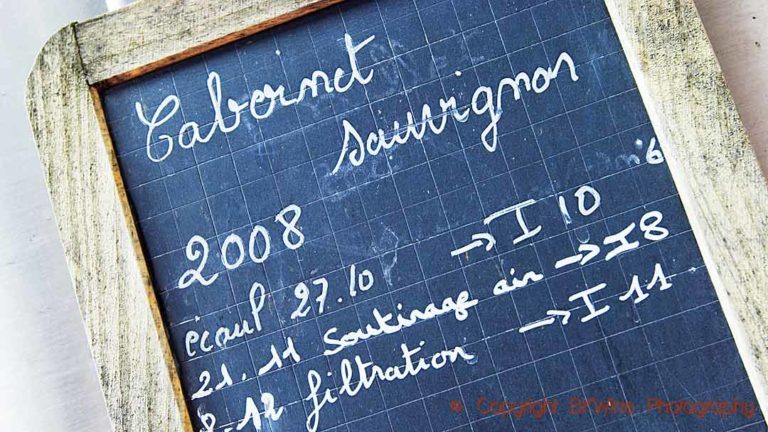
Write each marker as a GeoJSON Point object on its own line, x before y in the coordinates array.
{"type": "Point", "coordinates": [154, 307]}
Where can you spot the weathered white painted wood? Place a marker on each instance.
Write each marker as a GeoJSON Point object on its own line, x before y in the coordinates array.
{"type": "Point", "coordinates": [101, 244]}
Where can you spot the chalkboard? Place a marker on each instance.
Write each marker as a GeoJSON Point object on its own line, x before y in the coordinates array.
{"type": "Point", "coordinates": [424, 216]}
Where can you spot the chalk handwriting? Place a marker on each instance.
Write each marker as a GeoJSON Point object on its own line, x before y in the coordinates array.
{"type": "Point", "coordinates": [518, 210]}
{"type": "Point", "coordinates": [502, 287]}
{"type": "Point", "coordinates": [659, 278]}
{"type": "Point", "coordinates": [484, 103]}
{"type": "Point", "coordinates": [650, 227]}
{"type": "Point", "coordinates": [653, 155]}
{"type": "Point", "coordinates": [252, 415]}
{"type": "Point", "coordinates": [259, 247]}
{"type": "Point", "coordinates": [276, 361]}
{"type": "Point", "coordinates": [302, 293]}
{"type": "Point", "coordinates": [459, 307]}
{"type": "Point", "coordinates": [357, 375]}
{"type": "Point", "coordinates": [477, 241]}
{"type": "Point", "coordinates": [190, 133]}
{"type": "Point", "coordinates": [194, 340]}
{"type": "Point", "coordinates": [362, 281]}
{"type": "Point", "coordinates": [205, 381]}
{"type": "Point", "coordinates": [565, 316]}
{"type": "Point", "coordinates": [634, 288]}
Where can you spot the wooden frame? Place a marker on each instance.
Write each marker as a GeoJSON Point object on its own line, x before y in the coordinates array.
{"type": "Point", "coordinates": [710, 157]}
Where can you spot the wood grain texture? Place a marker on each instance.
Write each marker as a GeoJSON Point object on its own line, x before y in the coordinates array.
{"type": "Point", "coordinates": [711, 160]}
{"type": "Point", "coordinates": [704, 139]}
{"type": "Point", "coordinates": [153, 33]}
{"type": "Point", "coordinates": [100, 243]}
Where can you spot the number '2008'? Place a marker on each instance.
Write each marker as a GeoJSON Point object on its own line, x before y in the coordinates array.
{"type": "Point", "coordinates": [197, 248]}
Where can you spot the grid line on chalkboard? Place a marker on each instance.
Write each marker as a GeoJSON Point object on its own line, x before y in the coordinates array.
{"type": "Point", "coordinates": [605, 338]}
{"type": "Point", "coordinates": [643, 328]}
{"type": "Point", "coordinates": [628, 174]}
{"type": "Point", "coordinates": [336, 243]}
{"type": "Point", "coordinates": [482, 209]}
{"type": "Point", "coordinates": [552, 186]}
{"type": "Point", "coordinates": [410, 233]}
{"type": "Point", "coordinates": [581, 272]}
{"type": "Point", "coordinates": [485, 213]}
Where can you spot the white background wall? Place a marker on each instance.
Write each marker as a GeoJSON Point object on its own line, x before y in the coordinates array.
{"type": "Point", "coordinates": [738, 30]}
{"type": "Point", "coordinates": [47, 379]}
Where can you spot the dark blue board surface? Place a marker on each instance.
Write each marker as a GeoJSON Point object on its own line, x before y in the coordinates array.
{"type": "Point", "coordinates": [564, 313]}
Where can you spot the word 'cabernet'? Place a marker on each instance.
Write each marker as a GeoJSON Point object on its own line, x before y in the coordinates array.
{"type": "Point", "coordinates": [190, 134]}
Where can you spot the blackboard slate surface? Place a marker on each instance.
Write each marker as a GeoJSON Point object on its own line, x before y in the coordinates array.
{"type": "Point", "coordinates": [397, 218]}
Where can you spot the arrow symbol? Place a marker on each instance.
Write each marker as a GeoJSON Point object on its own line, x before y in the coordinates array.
{"type": "Point", "coordinates": [565, 314]}
{"type": "Point", "coordinates": [478, 240]}
{"type": "Point", "coordinates": [591, 250]}
{"type": "Point", "coordinates": [547, 321]}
